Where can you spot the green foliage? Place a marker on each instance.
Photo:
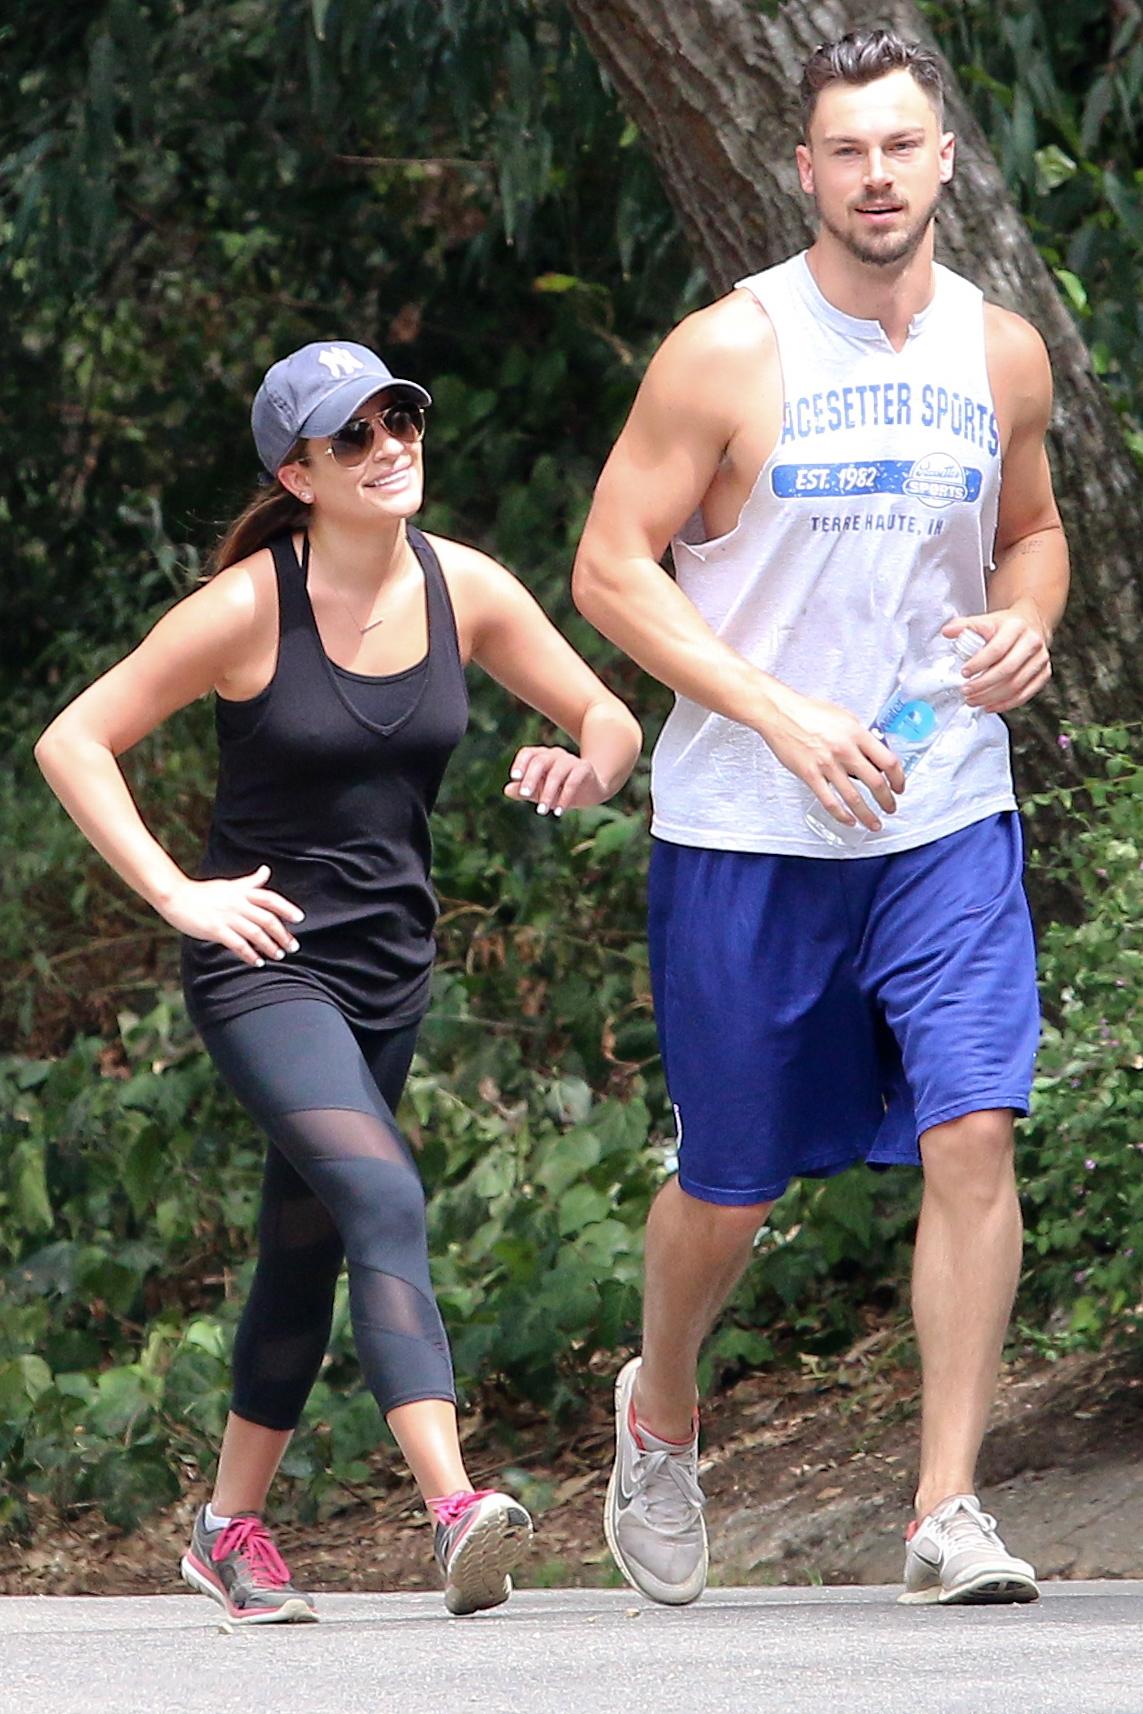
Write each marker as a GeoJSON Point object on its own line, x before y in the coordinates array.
{"type": "Point", "coordinates": [1081, 1170]}
{"type": "Point", "coordinates": [186, 192]}
{"type": "Point", "coordinates": [118, 1163]}
{"type": "Point", "coordinates": [1057, 89]}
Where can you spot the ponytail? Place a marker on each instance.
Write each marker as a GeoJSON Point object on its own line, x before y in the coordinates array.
{"type": "Point", "coordinates": [272, 511]}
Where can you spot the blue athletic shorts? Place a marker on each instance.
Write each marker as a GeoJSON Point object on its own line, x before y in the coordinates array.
{"type": "Point", "coordinates": [814, 1012]}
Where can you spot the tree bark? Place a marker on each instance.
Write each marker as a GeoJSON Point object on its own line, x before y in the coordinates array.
{"type": "Point", "coordinates": [713, 87]}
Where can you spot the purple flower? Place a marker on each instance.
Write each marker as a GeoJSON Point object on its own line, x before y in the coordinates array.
{"type": "Point", "coordinates": [1089, 1164]}
{"type": "Point", "coordinates": [1064, 741]}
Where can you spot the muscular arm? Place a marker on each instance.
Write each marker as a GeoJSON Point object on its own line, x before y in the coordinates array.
{"type": "Point", "coordinates": [679, 431]}
{"type": "Point", "coordinates": [688, 422]}
{"type": "Point", "coordinates": [1028, 590]}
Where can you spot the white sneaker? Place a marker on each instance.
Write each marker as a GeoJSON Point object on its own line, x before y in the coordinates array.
{"type": "Point", "coordinates": [956, 1557]}
{"type": "Point", "coordinates": [652, 1516]}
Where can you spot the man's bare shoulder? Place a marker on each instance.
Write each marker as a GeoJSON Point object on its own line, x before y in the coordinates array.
{"type": "Point", "coordinates": [1018, 368]}
{"type": "Point", "coordinates": [1012, 341]}
{"type": "Point", "coordinates": [709, 358]}
{"type": "Point", "coordinates": [732, 328]}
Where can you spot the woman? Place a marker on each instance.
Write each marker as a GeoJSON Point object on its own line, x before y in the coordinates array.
{"type": "Point", "coordinates": [335, 637]}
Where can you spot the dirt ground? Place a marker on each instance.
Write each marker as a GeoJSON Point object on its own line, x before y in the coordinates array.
{"type": "Point", "coordinates": [808, 1478]}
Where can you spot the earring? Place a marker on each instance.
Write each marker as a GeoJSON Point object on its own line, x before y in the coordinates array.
{"type": "Point", "coordinates": [307, 498]}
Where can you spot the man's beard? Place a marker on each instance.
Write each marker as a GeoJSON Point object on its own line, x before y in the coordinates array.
{"type": "Point", "coordinates": [883, 251]}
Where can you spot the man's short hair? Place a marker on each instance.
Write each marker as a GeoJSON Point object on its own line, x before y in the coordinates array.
{"type": "Point", "coordinates": [863, 55]}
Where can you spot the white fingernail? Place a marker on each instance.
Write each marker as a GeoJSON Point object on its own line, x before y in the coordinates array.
{"type": "Point", "coordinates": [258, 963]}
{"type": "Point", "coordinates": [293, 946]}
{"type": "Point", "coordinates": [557, 812]}
{"type": "Point", "coordinates": [525, 791]}
{"type": "Point", "coordinates": [541, 809]}
{"type": "Point", "coordinates": [517, 773]}
{"type": "Point", "coordinates": [280, 953]}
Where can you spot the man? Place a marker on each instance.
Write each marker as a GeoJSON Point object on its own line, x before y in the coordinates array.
{"type": "Point", "coordinates": [823, 448]}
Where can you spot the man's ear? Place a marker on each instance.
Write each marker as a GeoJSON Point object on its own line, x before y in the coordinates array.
{"type": "Point", "coordinates": [948, 156]}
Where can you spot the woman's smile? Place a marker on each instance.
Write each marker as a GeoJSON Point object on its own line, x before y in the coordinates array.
{"type": "Point", "coordinates": [391, 479]}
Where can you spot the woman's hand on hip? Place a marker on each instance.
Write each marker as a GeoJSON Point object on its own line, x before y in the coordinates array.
{"type": "Point", "coordinates": [241, 914]}
{"type": "Point", "coordinates": [552, 780]}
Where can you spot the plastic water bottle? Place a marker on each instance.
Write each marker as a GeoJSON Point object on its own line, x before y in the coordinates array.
{"type": "Point", "coordinates": [926, 701]}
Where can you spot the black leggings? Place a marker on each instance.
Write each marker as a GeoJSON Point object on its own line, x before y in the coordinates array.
{"type": "Point", "coordinates": [340, 1180]}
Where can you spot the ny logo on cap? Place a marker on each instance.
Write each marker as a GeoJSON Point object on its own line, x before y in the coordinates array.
{"type": "Point", "coordinates": [339, 362]}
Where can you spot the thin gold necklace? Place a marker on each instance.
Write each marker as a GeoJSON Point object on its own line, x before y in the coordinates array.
{"type": "Point", "coordinates": [371, 624]}
{"type": "Point", "coordinates": [363, 628]}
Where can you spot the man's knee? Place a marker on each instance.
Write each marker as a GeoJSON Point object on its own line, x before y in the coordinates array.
{"type": "Point", "coordinates": [729, 1224]}
{"type": "Point", "coordinates": [971, 1155]}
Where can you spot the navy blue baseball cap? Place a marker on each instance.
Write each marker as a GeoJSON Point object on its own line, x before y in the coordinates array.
{"type": "Point", "coordinates": [315, 391]}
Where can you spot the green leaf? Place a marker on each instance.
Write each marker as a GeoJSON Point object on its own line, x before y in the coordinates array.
{"type": "Point", "coordinates": [616, 835]}
{"type": "Point", "coordinates": [207, 1335]}
{"type": "Point", "coordinates": [1073, 286]}
{"type": "Point", "coordinates": [1053, 168]}
{"type": "Point", "coordinates": [566, 1159]}
{"type": "Point", "coordinates": [1097, 106]}
{"type": "Point", "coordinates": [1126, 204]}
{"type": "Point", "coordinates": [144, 1167]}
{"type": "Point", "coordinates": [581, 1206]}
{"type": "Point", "coordinates": [130, 1486]}
{"type": "Point", "coordinates": [22, 1380]}
{"type": "Point", "coordinates": [123, 1397]}
{"type": "Point", "coordinates": [28, 1187]}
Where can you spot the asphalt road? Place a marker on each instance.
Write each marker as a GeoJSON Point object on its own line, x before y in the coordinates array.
{"type": "Point", "coordinates": [790, 1651]}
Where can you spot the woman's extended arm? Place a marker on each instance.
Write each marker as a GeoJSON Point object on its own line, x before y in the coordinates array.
{"type": "Point", "coordinates": [506, 632]}
{"type": "Point", "coordinates": [187, 653]}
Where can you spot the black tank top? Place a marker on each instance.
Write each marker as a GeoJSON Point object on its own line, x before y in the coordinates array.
{"type": "Point", "coordinates": [329, 776]}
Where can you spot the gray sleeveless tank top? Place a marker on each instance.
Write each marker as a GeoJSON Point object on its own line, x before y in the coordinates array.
{"type": "Point", "coordinates": [870, 525]}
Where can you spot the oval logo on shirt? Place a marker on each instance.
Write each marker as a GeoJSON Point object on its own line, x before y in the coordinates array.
{"type": "Point", "coordinates": [936, 480]}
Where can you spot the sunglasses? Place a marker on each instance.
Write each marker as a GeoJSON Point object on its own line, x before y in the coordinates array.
{"type": "Point", "coordinates": [353, 442]}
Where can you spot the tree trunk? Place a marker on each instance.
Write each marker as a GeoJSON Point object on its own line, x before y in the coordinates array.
{"type": "Point", "coordinates": [713, 88]}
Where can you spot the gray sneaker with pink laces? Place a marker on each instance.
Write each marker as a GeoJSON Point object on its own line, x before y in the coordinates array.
{"type": "Point", "coordinates": [238, 1566]}
{"type": "Point", "coordinates": [479, 1540]}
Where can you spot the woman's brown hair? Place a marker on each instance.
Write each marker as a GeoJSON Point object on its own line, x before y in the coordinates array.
{"type": "Point", "coordinates": [271, 511]}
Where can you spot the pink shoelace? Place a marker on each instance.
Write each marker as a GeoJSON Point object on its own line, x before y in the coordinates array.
{"type": "Point", "coordinates": [454, 1506]}
{"type": "Point", "coordinates": [250, 1538]}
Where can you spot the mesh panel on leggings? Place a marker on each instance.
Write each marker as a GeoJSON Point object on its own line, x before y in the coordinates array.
{"type": "Point", "coordinates": [362, 1170]}
{"type": "Point", "coordinates": [284, 1330]}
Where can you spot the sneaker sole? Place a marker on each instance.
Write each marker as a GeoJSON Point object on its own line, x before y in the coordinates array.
{"type": "Point", "coordinates": [295, 1611]}
{"type": "Point", "coordinates": [989, 1589]}
{"type": "Point", "coordinates": [662, 1593]}
{"type": "Point", "coordinates": [495, 1545]}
